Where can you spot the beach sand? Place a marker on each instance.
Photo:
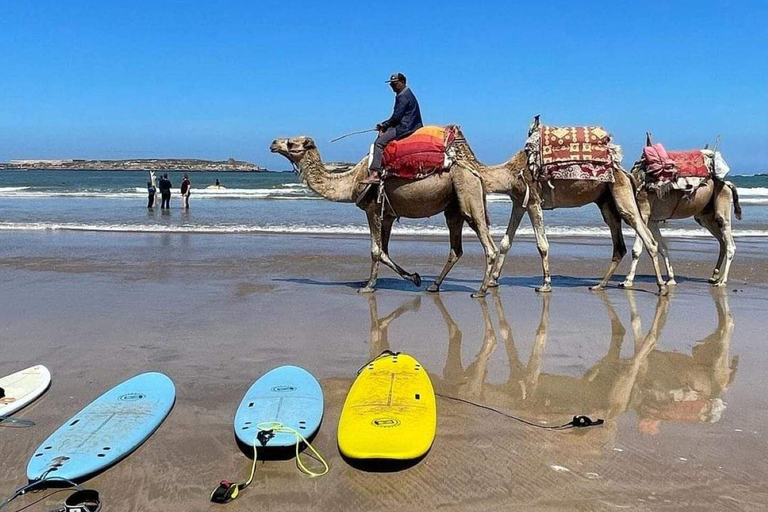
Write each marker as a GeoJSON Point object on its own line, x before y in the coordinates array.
{"type": "Point", "coordinates": [680, 381]}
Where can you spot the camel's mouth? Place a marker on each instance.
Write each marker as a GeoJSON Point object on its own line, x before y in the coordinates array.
{"type": "Point", "coordinates": [274, 147]}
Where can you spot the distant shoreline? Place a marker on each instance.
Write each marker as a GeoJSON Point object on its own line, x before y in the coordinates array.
{"type": "Point", "coordinates": [134, 164]}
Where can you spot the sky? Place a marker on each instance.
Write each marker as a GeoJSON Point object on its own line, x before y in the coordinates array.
{"type": "Point", "coordinates": [219, 79]}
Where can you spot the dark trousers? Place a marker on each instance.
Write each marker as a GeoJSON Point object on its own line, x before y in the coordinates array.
{"type": "Point", "coordinates": [378, 148]}
{"type": "Point", "coordinates": [151, 201]}
{"type": "Point", "coordinates": [166, 202]}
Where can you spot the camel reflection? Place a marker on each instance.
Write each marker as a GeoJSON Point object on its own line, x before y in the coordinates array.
{"type": "Point", "coordinates": [688, 388]}
{"type": "Point", "coordinates": [657, 385]}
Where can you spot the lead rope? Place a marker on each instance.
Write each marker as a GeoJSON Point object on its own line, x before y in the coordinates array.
{"type": "Point", "coordinates": [227, 491]}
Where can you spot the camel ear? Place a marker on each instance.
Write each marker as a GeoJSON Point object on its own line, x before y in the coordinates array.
{"type": "Point", "coordinates": [309, 143]}
{"type": "Point", "coordinates": [648, 141]}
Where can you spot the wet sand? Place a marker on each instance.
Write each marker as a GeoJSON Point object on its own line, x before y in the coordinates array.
{"type": "Point", "coordinates": [680, 381]}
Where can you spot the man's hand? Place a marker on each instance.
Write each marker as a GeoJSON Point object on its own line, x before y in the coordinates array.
{"type": "Point", "coordinates": [380, 128]}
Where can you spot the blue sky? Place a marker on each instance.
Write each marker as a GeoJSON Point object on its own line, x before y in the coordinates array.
{"type": "Point", "coordinates": [212, 79]}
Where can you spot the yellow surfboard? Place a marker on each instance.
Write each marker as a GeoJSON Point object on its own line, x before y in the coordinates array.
{"type": "Point", "coordinates": [390, 411]}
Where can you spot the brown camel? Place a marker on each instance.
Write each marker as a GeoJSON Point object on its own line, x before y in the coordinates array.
{"type": "Point", "coordinates": [513, 178]}
{"type": "Point", "coordinates": [709, 205]}
{"type": "Point", "coordinates": [457, 193]}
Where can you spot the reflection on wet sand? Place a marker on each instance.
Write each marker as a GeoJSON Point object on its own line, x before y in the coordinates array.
{"type": "Point", "coordinates": [678, 387]}
{"type": "Point", "coordinates": [657, 385]}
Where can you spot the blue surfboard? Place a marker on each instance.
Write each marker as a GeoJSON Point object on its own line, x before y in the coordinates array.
{"type": "Point", "coordinates": [287, 394]}
{"type": "Point", "coordinates": [107, 430]}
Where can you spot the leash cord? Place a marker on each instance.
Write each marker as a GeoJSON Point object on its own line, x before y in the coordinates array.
{"type": "Point", "coordinates": [278, 428]}
{"type": "Point", "coordinates": [227, 491]}
{"type": "Point", "coordinates": [21, 491]}
{"type": "Point", "coordinates": [578, 421]}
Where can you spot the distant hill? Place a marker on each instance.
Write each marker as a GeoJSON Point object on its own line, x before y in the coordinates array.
{"type": "Point", "coordinates": [137, 164]}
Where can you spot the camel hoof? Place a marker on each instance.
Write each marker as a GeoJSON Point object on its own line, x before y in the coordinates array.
{"type": "Point", "coordinates": [493, 284]}
{"type": "Point", "coordinates": [597, 288]}
{"type": "Point", "coordinates": [627, 284]}
{"type": "Point", "coordinates": [433, 288]}
{"type": "Point", "coordinates": [545, 288]}
{"type": "Point", "coordinates": [416, 278]}
{"type": "Point", "coordinates": [712, 280]}
{"type": "Point", "coordinates": [663, 290]}
{"type": "Point", "coordinates": [671, 282]}
{"type": "Point", "coordinates": [719, 283]}
{"type": "Point", "coordinates": [366, 289]}
{"type": "Point", "coordinates": [478, 295]}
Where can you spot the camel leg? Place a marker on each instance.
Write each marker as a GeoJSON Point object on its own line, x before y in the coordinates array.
{"type": "Point", "coordinates": [637, 250]}
{"type": "Point", "coordinates": [491, 253]}
{"type": "Point", "coordinates": [611, 218]}
{"type": "Point", "coordinates": [653, 226]}
{"type": "Point", "coordinates": [707, 221]}
{"type": "Point", "coordinates": [719, 225]}
{"type": "Point", "coordinates": [506, 242]}
{"type": "Point", "coordinates": [455, 223]}
{"type": "Point", "coordinates": [386, 231]}
{"type": "Point", "coordinates": [374, 227]}
{"type": "Point", "coordinates": [471, 196]}
{"type": "Point", "coordinates": [644, 207]}
{"type": "Point", "coordinates": [542, 244]}
{"type": "Point", "coordinates": [627, 205]}
{"type": "Point", "coordinates": [723, 203]}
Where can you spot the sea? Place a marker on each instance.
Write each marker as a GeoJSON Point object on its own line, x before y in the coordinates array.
{"type": "Point", "coordinates": [275, 202]}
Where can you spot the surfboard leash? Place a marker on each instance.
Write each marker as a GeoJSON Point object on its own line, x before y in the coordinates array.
{"type": "Point", "coordinates": [227, 491]}
{"type": "Point", "coordinates": [578, 421]}
{"type": "Point", "coordinates": [81, 500]}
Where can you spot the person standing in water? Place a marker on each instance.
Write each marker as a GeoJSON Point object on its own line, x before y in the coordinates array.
{"type": "Point", "coordinates": [165, 192]}
{"type": "Point", "coordinates": [151, 190]}
{"type": "Point", "coordinates": [185, 186]}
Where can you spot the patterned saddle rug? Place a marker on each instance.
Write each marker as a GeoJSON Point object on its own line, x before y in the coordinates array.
{"type": "Point", "coordinates": [419, 155]}
{"type": "Point", "coordinates": [572, 153]}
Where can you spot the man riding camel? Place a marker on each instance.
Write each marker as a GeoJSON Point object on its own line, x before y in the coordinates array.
{"type": "Point", "coordinates": [405, 120]}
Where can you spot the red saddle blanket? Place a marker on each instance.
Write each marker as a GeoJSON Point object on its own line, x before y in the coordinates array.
{"type": "Point", "coordinates": [690, 164]}
{"type": "Point", "coordinates": [576, 153]}
{"type": "Point", "coordinates": [420, 154]}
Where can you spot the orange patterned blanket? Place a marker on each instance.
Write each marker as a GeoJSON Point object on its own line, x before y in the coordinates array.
{"type": "Point", "coordinates": [419, 155]}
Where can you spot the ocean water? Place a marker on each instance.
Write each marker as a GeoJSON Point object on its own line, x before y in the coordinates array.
{"type": "Point", "coordinates": [274, 203]}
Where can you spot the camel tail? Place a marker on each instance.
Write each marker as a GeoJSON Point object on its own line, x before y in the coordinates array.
{"type": "Point", "coordinates": [736, 205]}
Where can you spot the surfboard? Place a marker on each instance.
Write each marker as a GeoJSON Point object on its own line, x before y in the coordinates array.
{"type": "Point", "coordinates": [390, 411]}
{"type": "Point", "coordinates": [106, 430]}
{"type": "Point", "coordinates": [287, 394]}
{"type": "Point", "coordinates": [22, 388]}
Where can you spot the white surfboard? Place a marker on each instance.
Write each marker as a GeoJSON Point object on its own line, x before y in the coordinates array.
{"type": "Point", "coordinates": [22, 388]}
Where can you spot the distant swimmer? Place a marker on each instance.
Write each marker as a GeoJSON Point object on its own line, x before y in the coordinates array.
{"type": "Point", "coordinates": [216, 186]}
{"type": "Point", "coordinates": [185, 189]}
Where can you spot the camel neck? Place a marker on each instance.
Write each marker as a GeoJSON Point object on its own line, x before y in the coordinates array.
{"type": "Point", "coordinates": [340, 187]}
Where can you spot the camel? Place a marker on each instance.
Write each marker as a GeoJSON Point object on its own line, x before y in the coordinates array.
{"type": "Point", "coordinates": [457, 193]}
{"type": "Point", "coordinates": [709, 205]}
{"type": "Point", "coordinates": [513, 178]}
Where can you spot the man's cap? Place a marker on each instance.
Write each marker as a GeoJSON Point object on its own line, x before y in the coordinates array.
{"type": "Point", "coordinates": [396, 77]}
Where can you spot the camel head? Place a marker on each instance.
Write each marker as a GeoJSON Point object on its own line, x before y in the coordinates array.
{"type": "Point", "coordinates": [294, 148]}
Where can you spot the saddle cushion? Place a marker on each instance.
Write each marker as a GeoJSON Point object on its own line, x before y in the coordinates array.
{"type": "Point", "coordinates": [420, 154]}
{"type": "Point", "coordinates": [658, 164]}
{"type": "Point", "coordinates": [690, 164]}
{"type": "Point", "coordinates": [575, 153]}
